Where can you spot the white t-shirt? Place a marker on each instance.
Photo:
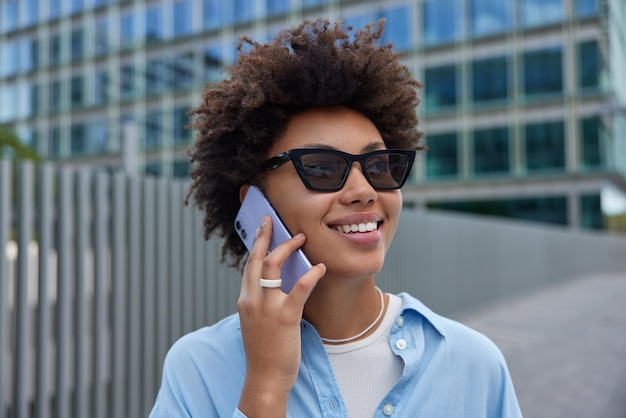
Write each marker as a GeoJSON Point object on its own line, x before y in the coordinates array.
{"type": "Point", "coordinates": [367, 369]}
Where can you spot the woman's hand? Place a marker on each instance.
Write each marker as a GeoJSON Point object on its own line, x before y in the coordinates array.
{"type": "Point", "coordinates": [270, 325]}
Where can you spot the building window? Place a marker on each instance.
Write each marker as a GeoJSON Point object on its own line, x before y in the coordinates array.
{"type": "Point", "coordinates": [76, 92]}
{"type": "Point", "coordinates": [275, 7]}
{"type": "Point", "coordinates": [101, 46]}
{"type": "Point", "coordinates": [537, 209]}
{"type": "Point", "coordinates": [77, 44]}
{"type": "Point", "coordinates": [398, 28]}
{"type": "Point", "coordinates": [590, 143]}
{"type": "Point", "coordinates": [54, 143]}
{"type": "Point", "coordinates": [490, 17]}
{"type": "Point", "coordinates": [155, 76]}
{"type": "Point", "coordinates": [8, 14]}
{"type": "Point", "coordinates": [540, 12]}
{"type": "Point", "coordinates": [442, 157]}
{"type": "Point", "coordinates": [55, 96]}
{"type": "Point", "coordinates": [101, 87]}
{"type": "Point", "coordinates": [243, 11]}
{"type": "Point", "coordinates": [589, 65]}
{"type": "Point", "coordinates": [545, 146]}
{"type": "Point", "coordinates": [34, 100]}
{"type": "Point", "coordinates": [212, 13]}
{"type": "Point", "coordinates": [213, 63]}
{"type": "Point", "coordinates": [491, 151]}
{"type": "Point", "coordinates": [180, 169]}
{"type": "Point", "coordinates": [585, 8]}
{"type": "Point", "coordinates": [182, 133]}
{"type": "Point", "coordinates": [182, 71]}
{"type": "Point", "coordinates": [182, 22]}
{"type": "Point", "coordinates": [490, 79]}
{"type": "Point", "coordinates": [9, 58]}
{"type": "Point", "coordinates": [154, 24]}
{"type": "Point", "coordinates": [55, 49]}
{"type": "Point", "coordinates": [98, 137]}
{"type": "Point", "coordinates": [78, 139]}
{"type": "Point", "coordinates": [153, 130]}
{"type": "Point", "coordinates": [543, 71]}
{"type": "Point", "coordinates": [127, 30]}
{"type": "Point", "coordinates": [591, 216]}
{"type": "Point", "coordinates": [127, 82]}
{"type": "Point", "coordinates": [442, 21]}
{"type": "Point", "coordinates": [440, 87]}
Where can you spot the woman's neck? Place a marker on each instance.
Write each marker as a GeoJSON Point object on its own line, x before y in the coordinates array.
{"type": "Point", "coordinates": [343, 308]}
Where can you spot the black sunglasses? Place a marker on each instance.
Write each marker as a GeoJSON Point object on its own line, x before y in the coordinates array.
{"type": "Point", "coordinates": [326, 170]}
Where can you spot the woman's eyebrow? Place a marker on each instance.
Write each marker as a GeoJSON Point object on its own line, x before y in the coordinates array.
{"type": "Point", "coordinates": [372, 146]}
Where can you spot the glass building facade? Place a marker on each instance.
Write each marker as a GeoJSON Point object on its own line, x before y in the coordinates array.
{"type": "Point", "coordinates": [522, 104]}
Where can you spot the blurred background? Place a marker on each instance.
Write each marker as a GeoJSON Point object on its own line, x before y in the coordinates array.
{"type": "Point", "coordinates": [523, 105]}
{"type": "Point", "coordinates": [514, 218]}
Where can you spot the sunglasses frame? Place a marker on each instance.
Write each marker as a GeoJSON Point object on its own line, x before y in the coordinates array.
{"type": "Point", "coordinates": [295, 156]}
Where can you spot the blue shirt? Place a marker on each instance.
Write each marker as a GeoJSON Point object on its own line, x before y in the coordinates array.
{"type": "Point", "coordinates": [449, 371]}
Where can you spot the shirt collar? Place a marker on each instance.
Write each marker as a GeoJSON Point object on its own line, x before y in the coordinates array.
{"type": "Point", "coordinates": [409, 303]}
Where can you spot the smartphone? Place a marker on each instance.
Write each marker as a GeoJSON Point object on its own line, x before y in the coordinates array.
{"type": "Point", "coordinates": [254, 206]}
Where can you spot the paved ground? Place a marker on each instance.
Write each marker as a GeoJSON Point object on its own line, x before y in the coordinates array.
{"type": "Point", "coordinates": [565, 347]}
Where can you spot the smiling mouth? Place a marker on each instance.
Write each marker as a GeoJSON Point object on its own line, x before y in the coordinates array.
{"type": "Point", "coordinates": [357, 228]}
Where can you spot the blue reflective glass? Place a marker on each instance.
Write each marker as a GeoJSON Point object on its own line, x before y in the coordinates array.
{"type": "Point", "coordinates": [182, 18]}
{"type": "Point", "coordinates": [398, 28]}
{"type": "Point", "coordinates": [213, 62]}
{"type": "Point", "coordinates": [490, 79]}
{"type": "Point", "coordinates": [541, 12]}
{"type": "Point", "coordinates": [54, 8]}
{"type": "Point", "coordinates": [32, 11]}
{"type": "Point", "coordinates": [491, 151]}
{"type": "Point", "coordinates": [9, 58]}
{"type": "Point", "coordinates": [545, 146]}
{"type": "Point", "coordinates": [274, 7]}
{"type": "Point", "coordinates": [442, 158]}
{"type": "Point", "coordinates": [76, 6]}
{"type": "Point", "coordinates": [101, 87]}
{"type": "Point", "coordinates": [440, 87]}
{"type": "Point", "coordinates": [101, 37]}
{"type": "Point", "coordinates": [243, 11]}
{"type": "Point", "coordinates": [212, 12]}
{"type": "Point", "coordinates": [153, 130]}
{"type": "Point", "coordinates": [442, 21]}
{"type": "Point", "coordinates": [586, 8]}
{"type": "Point", "coordinates": [54, 49]}
{"type": "Point", "coordinates": [182, 71]}
{"type": "Point", "coordinates": [154, 24]}
{"type": "Point", "coordinates": [543, 71]}
{"type": "Point", "coordinates": [77, 92]}
{"type": "Point", "coordinates": [589, 64]}
{"type": "Point", "coordinates": [127, 30]}
{"type": "Point", "coordinates": [77, 44]}
{"type": "Point", "coordinates": [8, 15]}
{"type": "Point", "coordinates": [490, 17]}
{"type": "Point", "coordinates": [29, 54]}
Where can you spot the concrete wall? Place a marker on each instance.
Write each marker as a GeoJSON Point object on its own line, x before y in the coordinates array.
{"type": "Point", "coordinates": [455, 263]}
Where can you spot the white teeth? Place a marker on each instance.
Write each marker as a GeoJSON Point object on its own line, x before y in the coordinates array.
{"type": "Point", "coordinates": [363, 227]}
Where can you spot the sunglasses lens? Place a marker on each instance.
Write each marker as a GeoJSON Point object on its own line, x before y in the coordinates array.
{"type": "Point", "coordinates": [324, 171]}
{"type": "Point", "coordinates": [387, 170]}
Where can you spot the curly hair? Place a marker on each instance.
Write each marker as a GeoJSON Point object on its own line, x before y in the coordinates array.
{"type": "Point", "coordinates": [313, 65]}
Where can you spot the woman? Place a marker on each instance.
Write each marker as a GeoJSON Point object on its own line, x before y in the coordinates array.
{"type": "Point", "coordinates": [336, 345]}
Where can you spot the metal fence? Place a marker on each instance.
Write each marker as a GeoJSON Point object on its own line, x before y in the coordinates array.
{"type": "Point", "coordinates": [101, 275]}
{"type": "Point", "coordinates": [103, 272]}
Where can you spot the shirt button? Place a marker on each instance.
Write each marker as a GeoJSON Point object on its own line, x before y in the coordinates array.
{"type": "Point", "coordinates": [388, 409]}
{"type": "Point", "coordinates": [400, 321]}
{"type": "Point", "coordinates": [401, 344]}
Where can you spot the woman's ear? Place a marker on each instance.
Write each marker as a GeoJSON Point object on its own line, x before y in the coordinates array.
{"type": "Point", "coordinates": [242, 191]}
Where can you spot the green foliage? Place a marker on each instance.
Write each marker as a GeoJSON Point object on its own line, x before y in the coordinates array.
{"type": "Point", "coordinates": [11, 146]}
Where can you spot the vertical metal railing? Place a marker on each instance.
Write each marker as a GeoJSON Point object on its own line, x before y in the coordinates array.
{"type": "Point", "coordinates": [105, 279]}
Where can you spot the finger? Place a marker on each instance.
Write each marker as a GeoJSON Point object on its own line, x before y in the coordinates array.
{"type": "Point", "coordinates": [273, 262]}
{"type": "Point", "coordinates": [254, 265]}
{"type": "Point", "coordinates": [303, 287]}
